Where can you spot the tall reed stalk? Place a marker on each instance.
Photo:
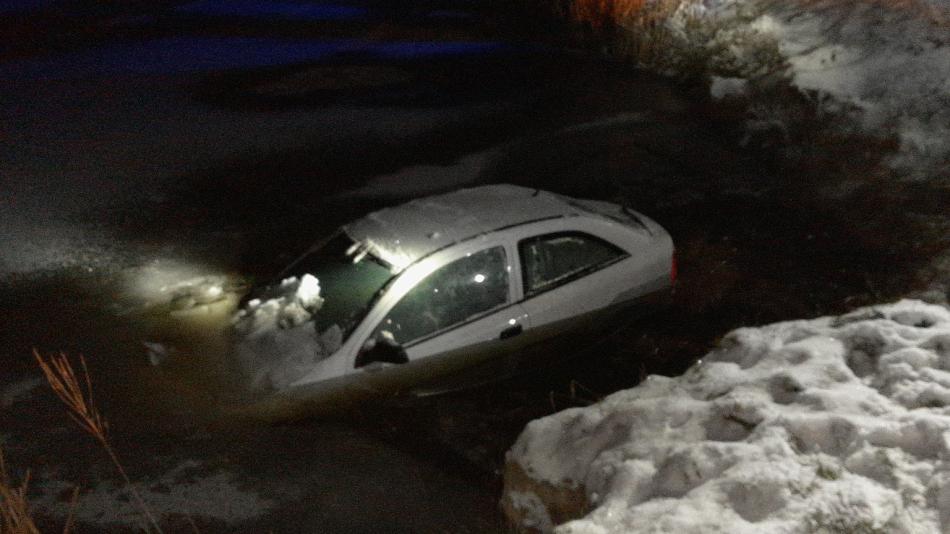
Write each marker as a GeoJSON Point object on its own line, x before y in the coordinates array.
{"type": "Point", "coordinates": [82, 409]}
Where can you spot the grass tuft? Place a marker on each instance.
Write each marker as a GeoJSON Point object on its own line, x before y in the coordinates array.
{"type": "Point", "coordinates": [62, 379]}
{"type": "Point", "coordinates": [15, 515]}
{"type": "Point", "coordinates": [602, 13]}
{"type": "Point", "coordinates": [65, 383]}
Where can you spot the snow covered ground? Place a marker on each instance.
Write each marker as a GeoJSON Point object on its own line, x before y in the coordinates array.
{"type": "Point", "coordinates": [885, 65]}
{"type": "Point", "coordinates": [892, 64]}
{"type": "Point", "coordinates": [837, 424]}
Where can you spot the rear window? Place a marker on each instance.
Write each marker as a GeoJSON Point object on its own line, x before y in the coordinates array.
{"type": "Point", "coordinates": [551, 260]}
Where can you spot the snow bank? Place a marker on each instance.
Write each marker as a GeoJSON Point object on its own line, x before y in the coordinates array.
{"type": "Point", "coordinates": [838, 424]}
{"type": "Point", "coordinates": [277, 341]}
{"type": "Point", "coordinates": [886, 65]}
{"type": "Point", "coordinates": [888, 62]}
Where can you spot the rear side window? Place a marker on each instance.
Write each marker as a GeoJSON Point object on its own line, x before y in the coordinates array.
{"type": "Point", "coordinates": [551, 260]}
{"type": "Point", "coordinates": [451, 295]}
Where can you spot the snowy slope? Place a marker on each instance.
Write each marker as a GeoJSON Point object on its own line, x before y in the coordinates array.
{"type": "Point", "coordinates": [890, 61]}
{"type": "Point", "coordinates": [838, 424]}
{"type": "Point", "coordinates": [885, 64]}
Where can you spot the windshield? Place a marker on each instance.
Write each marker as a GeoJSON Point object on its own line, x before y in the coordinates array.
{"type": "Point", "coordinates": [349, 279]}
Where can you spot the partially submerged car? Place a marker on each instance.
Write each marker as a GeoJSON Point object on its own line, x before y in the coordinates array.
{"type": "Point", "coordinates": [450, 289]}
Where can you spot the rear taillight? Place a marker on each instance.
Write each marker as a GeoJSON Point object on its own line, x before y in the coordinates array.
{"type": "Point", "coordinates": [673, 269]}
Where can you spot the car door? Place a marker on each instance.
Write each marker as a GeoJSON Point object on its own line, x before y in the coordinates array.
{"type": "Point", "coordinates": [569, 279]}
{"type": "Point", "coordinates": [453, 324]}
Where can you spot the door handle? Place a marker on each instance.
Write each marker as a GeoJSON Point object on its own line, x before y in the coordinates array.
{"type": "Point", "coordinates": [511, 331]}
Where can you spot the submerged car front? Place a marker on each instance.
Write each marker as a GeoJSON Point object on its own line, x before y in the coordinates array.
{"type": "Point", "coordinates": [295, 325]}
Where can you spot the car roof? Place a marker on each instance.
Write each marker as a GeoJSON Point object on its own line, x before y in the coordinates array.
{"type": "Point", "coordinates": [403, 234]}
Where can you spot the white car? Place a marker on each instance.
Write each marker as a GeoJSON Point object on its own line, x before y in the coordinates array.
{"type": "Point", "coordinates": [465, 284]}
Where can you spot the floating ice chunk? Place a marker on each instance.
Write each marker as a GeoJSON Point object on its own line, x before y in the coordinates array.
{"type": "Point", "coordinates": [276, 339]}
{"type": "Point", "coordinates": [308, 292]}
{"type": "Point", "coordinates": [292, 303]}
{"type": "Point", "coordinates": [156, 352]}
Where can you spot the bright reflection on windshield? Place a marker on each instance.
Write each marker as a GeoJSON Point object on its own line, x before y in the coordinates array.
{"type": "Point", "coordinates": [349, 278]}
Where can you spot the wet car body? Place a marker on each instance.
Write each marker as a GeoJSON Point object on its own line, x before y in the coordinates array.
{"type": "Point", "coordinates": [482, 283]}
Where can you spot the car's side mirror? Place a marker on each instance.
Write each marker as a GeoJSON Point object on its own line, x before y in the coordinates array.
{"type": "Point", "coordinates": [384, 349]}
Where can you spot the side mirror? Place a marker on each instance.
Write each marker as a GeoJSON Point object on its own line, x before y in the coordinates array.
{"type": "Point", "coordinates": [383, 349]}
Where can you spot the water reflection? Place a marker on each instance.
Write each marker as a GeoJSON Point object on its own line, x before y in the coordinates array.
{"type": "Point", "coordinates": [175, 55]}
{"type": "Point", "coordinates": [288, 10]}
{"type": "Point", "coordinates": [24, 6]}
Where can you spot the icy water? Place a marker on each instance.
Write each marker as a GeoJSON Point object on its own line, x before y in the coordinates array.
{"type": "Point", "coordinates": [219, 139]}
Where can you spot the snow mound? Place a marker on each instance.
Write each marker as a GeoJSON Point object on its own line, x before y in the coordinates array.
{"type": "Point", "coordinates": [838, 424]}
{"type": "Point", "coordinates": [276, 339]}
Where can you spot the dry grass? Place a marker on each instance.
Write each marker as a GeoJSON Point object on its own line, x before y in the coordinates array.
{"type": "Point", "coordinates": [641, 14]}
{"type": "Point", "coordinates": [62, 379]}
{"type": "Point", "coordinates": [82, 409]}
{"type": "Point", "coordinates": [673, 37]}
{"type": "Point", "coordinates": [15, 515]}
{"type": "Point", "coordinates": [601, 13]}
{"type": "Point", "coordinates": [638, 30]}
{"type": "Point", "coordinates": [605, 13]}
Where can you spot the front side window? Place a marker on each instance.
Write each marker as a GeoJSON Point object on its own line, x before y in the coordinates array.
{"type": "Point", "coordinates": [451, 295]}
{"type": "Point", "coordinates": [554, 259]}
